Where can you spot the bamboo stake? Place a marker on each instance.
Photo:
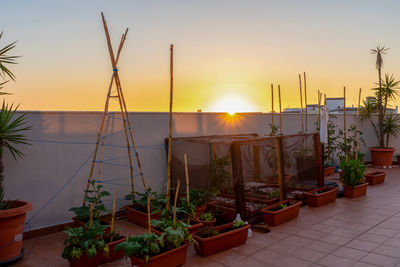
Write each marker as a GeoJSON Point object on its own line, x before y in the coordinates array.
{"type": "Point", "coordinates": [113, 214]}
{"type": "Point", "coordinates": [148, 213]}
{"type": "Point", "coordinates": [344, 116]}
{"type": "Point", "coordinates": [356, 131]}
{"type": "Point", "coordinates": [176, 200]}
{"type": "Point", "coordinates": [280, 109]}
{"type": "Point", "coordinates": [319, 111]}
{"type": "Point", "coordinates": [325, 102]}
{"type": "Point", "coordinates": [171, 90]}
{"type": "Point", "coordinates": [272, 112]}
{"type": "Point", "coordinates": [301, 106]}
{"type": "Point", "coordinates": [305, 99]}
{"type": "Point", "coordinates": [187, 179]}
{"type": "Point", "coordinates": [90, 215]}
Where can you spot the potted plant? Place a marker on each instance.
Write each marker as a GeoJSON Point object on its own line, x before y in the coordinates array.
{"type": "Point", "coordinates": [84, 245]}
{"type": "Point", "coordinates": [198, 200]}
{"type": "Point", "coordinates": [212, 240]}
{"type": "Point", "coordinates": [353, 174]}
{"type": "Point", "coordinates": [207, 219]}
{"type": "Point", "coordinates": [164, 249]}
{"type": "Point", "coordinates": [186, 213]}
{"type": "Point", "coordinates": [281, 212]}
{"type": "Point", "coordinates": [137, 212]}
{"type": "Point", "coordinates": [12, 128]}
{"type": "Point", "coordinates": [330, 148]}
{"type": "Point", "coordinates": [321, 196]}
{"type": "Point", "coordinates": [373, 178]}
{"type": "Point", "coordinates": [94, 197]}
{"type": "Point", "coordinates": [387, 125]}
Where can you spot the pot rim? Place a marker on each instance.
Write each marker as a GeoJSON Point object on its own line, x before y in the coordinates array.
{"type": "Point", "coordinates": [266, 209]}
{"type": "Point", "coordinates": [382, 149]}
{"type": "Point", "coordinates": [23, 209]}
{"type": "Point", "coordinates": [310, 193]}
{"type": "Point", "coordinates": [223, 226]}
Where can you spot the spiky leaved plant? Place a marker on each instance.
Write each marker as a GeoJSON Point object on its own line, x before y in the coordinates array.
{"type": "Point", "coordinates": [12, 125]}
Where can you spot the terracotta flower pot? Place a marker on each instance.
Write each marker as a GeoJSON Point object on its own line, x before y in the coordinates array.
{"type": "Point", "coordinates": [136, 215]}
{"type": "Point", "coordinates": [328, 171]}
{"type": "Point", "coordinates": [275, 218]}
{"type": "Point", "coordinates": [381, 157]}
{"type": "Point", "coordinates": [318, 200]}
{"type": "Point", "coordinates": [171, 258]}
{"type": "Point", "coordinates": [207, 223]}
{"type": "Point", "coordinates": [374, 178]}
{"type": "Point", "coordinates": [358, 191]}
{"type": "Point", "coordinates": [113, 255]}
{"type": "Point", "coordinates": [223, 241]}
{"type": "Point", "coordinates": [11, 230]}
{"type": "Point", "coordinates": [85, 261]}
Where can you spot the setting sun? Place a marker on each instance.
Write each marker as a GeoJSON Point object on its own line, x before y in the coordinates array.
{"type": "Point", "coordinates": [232, 104]}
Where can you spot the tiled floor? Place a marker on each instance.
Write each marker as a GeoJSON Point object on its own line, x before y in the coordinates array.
{"type": "Point", "coordinates": [351, 232]}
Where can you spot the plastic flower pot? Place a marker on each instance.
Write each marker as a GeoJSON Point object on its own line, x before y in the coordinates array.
{"type": "Point", "coordinates": [328, 171]}
{"type": "Point", "coordinates": [374, 178]}
{"type": "Point", "coordinates": [320, 199]}
{"type": "Point", "coordinates": [138, 215]}
{"type": "Point", "coordinates": [171, 258]}
{"type": "Point", "coordinates": [113, 255]}
{"type": "Point", "coordinates": [85, 261]}
{"type": "Point", "coordinates": [11, 231]}
{"type": "Point", "coordinates": [381, 157]}
{"type": "Point", "coordinates": [207, 223]}
{"type": "Point", "coordinates": [278, 217]}
{"type": "Point", "coordinates": [222, 241]}
{"type": "Point", "coordinates": [357, 191]}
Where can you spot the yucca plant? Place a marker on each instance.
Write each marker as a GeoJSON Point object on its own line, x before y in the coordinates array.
{"type": "Point", "coordinates": [386, 91]}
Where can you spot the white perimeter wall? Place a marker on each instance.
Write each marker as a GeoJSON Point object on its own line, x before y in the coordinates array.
{"type": "Point", "coordinates": [53, 173]}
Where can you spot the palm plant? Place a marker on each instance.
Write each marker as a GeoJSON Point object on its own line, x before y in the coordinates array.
{"type": "Point", "coordinates": [12, 125]}
{"type": "Point", "coordinates": [388, 124]}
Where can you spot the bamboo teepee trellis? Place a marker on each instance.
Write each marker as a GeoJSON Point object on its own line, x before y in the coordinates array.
{"type": "Point", "coordinates": [117, 94]}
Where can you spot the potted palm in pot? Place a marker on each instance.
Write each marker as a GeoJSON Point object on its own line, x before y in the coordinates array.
{"type": "Point", "coordinates": [387, 125]}
{"type": "Point", "coordinates": [12, 126]}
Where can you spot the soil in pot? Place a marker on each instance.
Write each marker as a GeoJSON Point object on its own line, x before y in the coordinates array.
{"type": "Point", "coordinates": [11, 230]}
{"type": "Point", "coordinates": [170, 258]}
{"type": "Point", "coordinates": [357, 191]}
{"type": "Point", "coordinates": [374, 178]}
{"type": "Point", "coordinates": [321, 196]}
{"type": "Point", "coordinates": [277, 214]}
{"type": "Point", "coordinates": [138, 215]}
{"type": "Point", "coordinates": [228, 237]}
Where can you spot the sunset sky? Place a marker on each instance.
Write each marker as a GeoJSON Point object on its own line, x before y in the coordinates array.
{"type": "Point", "coordinates": [227, 52]}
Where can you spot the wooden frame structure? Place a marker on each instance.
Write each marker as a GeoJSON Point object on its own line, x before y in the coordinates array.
{"type": "Point", "coordinates": [235, 142]}
{"type": "Point", "coordinates": [119, 96]}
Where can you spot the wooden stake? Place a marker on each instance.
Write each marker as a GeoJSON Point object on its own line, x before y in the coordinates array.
{"type": "Point", "coordinates": [90, 215]}
{"type": "Point", "coordinates": [187, 179]}
{"type": "Point", "coordinates": [171, 91]}
{"type": "Point", "coordinates": [280, 110]}
{"type": "Point", "coordinates": [280, 164]}
{"type": "Point", "coordinates": [148, 214]}
{"type": "Point", "coordinates": [301, 106]}
{"type": "Point", "coordinates": [176, 200]}
{"type": "Point", "coordinates": [325, 102]}
{"type": "Point", "coordinates": [319, 111]}
{"type": "Point", "coordinates": [356, 131]}
{"type": "Point", "coordinates": [344, 116]}
{"type": "Point", "coordinates": [305, 99]}
{"type": "Point", "coordinates": [113, 213]}
{"type": "Point", "coordinates": [272, 112]}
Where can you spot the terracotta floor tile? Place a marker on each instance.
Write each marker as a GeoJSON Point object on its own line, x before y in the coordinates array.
{"type": "Point", "coordinates": [350, 253]}
{"type": "Point", "coordinates": [373, 238]}
{"type": "Point", "coordinates": [267, 256]}
{"type": "Point", "coordinates": [362, 245]}
{"type": "Point", "coordinates": [289, 261]}
{"type": "Point", "coordinates": [335, 261]}
{"type": "Point", "coordinates": [383, 231]}
{"type": "Point", "coordinates": [308, 254]}
{"type": "Point", "coordinates": [380, 260]}
{"type": "Point", "coordinates": [388, 251]}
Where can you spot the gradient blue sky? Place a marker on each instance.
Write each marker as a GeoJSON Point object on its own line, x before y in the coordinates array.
{"type": "Point", "coordinates": [226, 52]}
